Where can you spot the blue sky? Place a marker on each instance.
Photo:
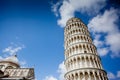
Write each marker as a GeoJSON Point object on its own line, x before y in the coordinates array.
{"type": "Point", "coordinates": [33, 29]}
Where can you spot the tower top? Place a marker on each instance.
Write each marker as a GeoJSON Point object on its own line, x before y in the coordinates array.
{"type": "Point", "coordinates": [73, 19]}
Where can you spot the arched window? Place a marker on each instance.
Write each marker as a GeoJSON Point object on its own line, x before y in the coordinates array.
{"type": "Point", "coordinates": [71, 63]}
{"type": "Point", "coordinates": [70, 50]}
{"type": "Point", "coordinates": [73, 31]}
{"type": "Point", "coordinates": [68, 54]}
{"type": "Point", "coordinates": [80, 47]}
{"type": "Point", "coordinates": [73, 49]}
{"type": "Point", "coordinates": [85, 51]}
{"type": "Point", "coordinates": [74, 61]}
{"type": "Point", "coordinates": [75, 24]}
{"type": "Point", "coordinates": [83, 46]}
{"type": "Point", "coordinates": [86, 76]}
{"type": "Point", "coordinates": [68, 28]}
{"type": "Point", "coordinates": [78, 59]}
{"type": "Point", "coordinates": [81, 76]}
{"type": "Point", "coordinates": [72, 77]}
{"type": "Point", "coordinates": [76, 31]}
{"type": "Point", "coordinates": [77, 48]}
{"type": "Point", "coordinates": [96, 76]}
{"type": "Point", "coordinates": [77, 37]}
{"type": "Point", "coordinates": [72, 25]}
{"type": "Point", "coordinates": [83, 60]}
{"type": "Point", "coordinates": [69, 77]}
{"type": "Point", "coordinates": [92, 76]}
{"type": "Point", "coordinates": [92, 63]}
{"type": "Point", "coordinates": [76, 76]}
{"type": "Point", "coordinates": [79, 30]}
{"type": "Point", "coordinates": [87, 47]}
{"type": "Point", "coordinates": [81, 38]}
{"type": "Point", "coordinates": [72, 39]}
{"type": "Point", "coordinates": [96, 63]}
{"type": "Point", "coordinates": [84, 38]}
{"type": "Point", "coordinates": [87, 60]}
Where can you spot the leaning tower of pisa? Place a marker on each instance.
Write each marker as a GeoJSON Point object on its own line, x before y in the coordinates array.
{"type": "Point", "coordinates": [81, 59]}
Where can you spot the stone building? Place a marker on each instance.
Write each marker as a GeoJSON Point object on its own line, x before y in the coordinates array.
{"type": "Point", "coordinates": [10, 70]}
{"type": "Point", "coordinates": [81, 59]}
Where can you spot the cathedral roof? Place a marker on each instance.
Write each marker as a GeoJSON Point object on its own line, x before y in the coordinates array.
{"type": "Point", "coordinates": [12, 59]}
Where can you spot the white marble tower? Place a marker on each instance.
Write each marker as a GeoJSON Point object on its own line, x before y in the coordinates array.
{"type": "Point", "coordinates": [81, 59]}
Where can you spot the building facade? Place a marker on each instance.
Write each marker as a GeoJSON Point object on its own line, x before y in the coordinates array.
{"type": "Point", "coordinates": [10, 70]}
{"type": "Point", "coordinates": [81, 59]}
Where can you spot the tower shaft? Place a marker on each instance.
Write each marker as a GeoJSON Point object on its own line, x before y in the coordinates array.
{"type": "Point", "coordinates": [81, 59]}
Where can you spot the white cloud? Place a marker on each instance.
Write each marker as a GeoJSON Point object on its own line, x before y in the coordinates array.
{"type": "Point", "coordinates": [69, 7]}
{"type": "Point", "coordinates": [102, 23]}
{"type": "Point", "coordinates": [106, 24]}
{"type": "Point", "coordinates": [111, 75]}
{"type": "Point", "coordinates": [103, 51]}
{"type": "Point", "coordinates": [55, 8]}
{"type": "Point", "coordinates": [50, 78]}
{"type": "Point", "coordinates": [97, 41]}
{"type": "Point", "coordinates": [61, 71]}
{"type": "Point", "coordinates": [13, 49]}
{"type": "Point", "coordinates": [1, 57]}
{"type": "Point", "coordinates": [114, 41]}
{"type": "Point", "coordinates": [23, 63]}
{"type": "Point", "coordinates": [118, 74]}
